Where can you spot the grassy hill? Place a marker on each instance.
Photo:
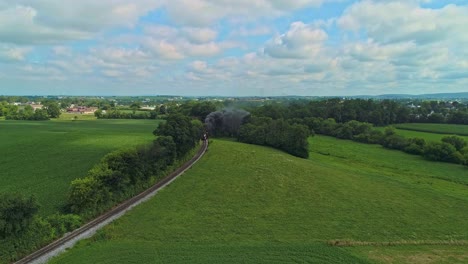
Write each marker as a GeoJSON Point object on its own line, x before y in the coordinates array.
{"type": "Point", "coordinates": [42, 158]}
{"type": "Point", "coordinates": [250, 204]}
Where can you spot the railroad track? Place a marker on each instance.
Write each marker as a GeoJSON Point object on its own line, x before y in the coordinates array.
{"type": "Point", "coordinates": [87, 230]}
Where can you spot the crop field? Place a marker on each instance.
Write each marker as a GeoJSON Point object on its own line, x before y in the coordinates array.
{"type": "Point", "coordinates": [250, 204]}
{"type": "Point", "coordinates": [43, 157]}
{"type": "Point", "coordinates": [449, 129]}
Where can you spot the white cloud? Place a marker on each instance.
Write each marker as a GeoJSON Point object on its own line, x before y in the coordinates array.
{"type": "Point", "coordinates": [206, 12]}
{"type": "Point", "coordinates": [10, 53]}
{"type": "Point", "coordinates": [252, 31]}
{"type": "Point", "coordinates": [200, 35]}
{"type": "Point", "coordinates": [163, 49]}
{"type": "Point", "coordinates": [56, 21]}
{"type": "Point", "coordinates": [301, 41]}
{"type": "Point", "coordinates": [400, 21]}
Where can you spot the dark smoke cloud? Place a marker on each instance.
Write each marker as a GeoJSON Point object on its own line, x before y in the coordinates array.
{"type": "Point", "coordinates": [226, 122]}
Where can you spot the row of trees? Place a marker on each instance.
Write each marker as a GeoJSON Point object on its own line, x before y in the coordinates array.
{"type": "Point", "coordinates": [12, 112]}
{"type": "Point", "coordinates": [116, 114]}
{"type": "Point", "coordinates": [377, 112]}
{"type": "Point", "coordinates": [122, 174]}
{"type": "Point", "coordinates": [451, 149]}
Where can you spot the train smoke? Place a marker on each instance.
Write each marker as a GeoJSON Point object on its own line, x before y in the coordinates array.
{"type": "Point", "coordinates": [226, 122]}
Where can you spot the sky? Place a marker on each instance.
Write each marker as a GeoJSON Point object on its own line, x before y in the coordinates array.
{"type": "Point", "coordinates": [233, 47]}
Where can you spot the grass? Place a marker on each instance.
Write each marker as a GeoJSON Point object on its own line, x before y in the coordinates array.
{"type": "Point", "coordinates": [252, 204]}
{"type": "Point", "coordinates": [79, 117]}
{"type": "Point", "coordinates": [42, 158]}
{"type": "Point", "coordinates": [428, 136]}
{"type": "Point", "coordinates": [449, 129]}
{"type": "Point", "coordinates": [418, 254]}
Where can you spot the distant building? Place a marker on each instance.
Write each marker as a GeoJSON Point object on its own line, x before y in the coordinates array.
{"type": "Point", "coordinates": [82, 110]}
{"type": "Point", "coordinates": [36, 106]}
{"type": "Point", "coordinates": [148, 107]}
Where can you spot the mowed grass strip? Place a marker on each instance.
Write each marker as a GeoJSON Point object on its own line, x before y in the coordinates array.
{"type": "Point", "coordinates": [449, 129]}
{"type": "Point", "coordinates": [42, 158]}
{"type": "Point", "coordinates": [414, 254]}
{"type": "Point", "coordinates": [241, 199]}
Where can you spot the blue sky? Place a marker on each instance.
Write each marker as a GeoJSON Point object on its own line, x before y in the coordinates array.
{"type": "Point", "coordinates": [233, 48]}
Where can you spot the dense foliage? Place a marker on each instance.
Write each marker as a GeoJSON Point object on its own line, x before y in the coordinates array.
{"type": "Point", "coordinates": [22, 230]}
{"type": "Point", "coordinates": [16, 213]}
{"type": "Point", "coordinates": [377, 112]}
{"type": "Point", "coordinates": [276, 133]}
{"type": "Point", "coordinates": [184, 131]}
{"type": "Point", "coordinates": [120, 175]}
{"type": "Point", "coordinates": [13, 112]}
{"type": "Point", "coordinates": [124, 173]}
{"type": "Point", "coordinates": [116, 114]}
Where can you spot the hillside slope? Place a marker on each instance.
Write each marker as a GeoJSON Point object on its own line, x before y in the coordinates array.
{"type": "Point", "coordinates": [245, 203]}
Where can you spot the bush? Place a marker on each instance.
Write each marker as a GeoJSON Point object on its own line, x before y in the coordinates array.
{"type": "Point", "coordinates": [393, 141]}
{"type": "Point", "coordinates": [62, 224]}
{"type": "Point", "coordinates": [458, 142]}
{"type": "Point", "coordinates": [415, 146]}
{"type": "Point", "coordinates": [439, 151]}
{"type": "Point", "coordinates": [16, 213]}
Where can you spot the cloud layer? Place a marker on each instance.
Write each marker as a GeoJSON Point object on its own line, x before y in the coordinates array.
{"type": "Point", "coordinates": [260, 47]}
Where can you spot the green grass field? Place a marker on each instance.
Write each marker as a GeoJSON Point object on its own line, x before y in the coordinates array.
{"type": "Point", "coordinates": [428, 136]}
{"type": "Point", "coordinates": [250, 204]}
{"type": "Point", "coordinates": [79, 117]}
{"type": "Point", "coordinates": [449, 129]}
{"type": "Point", "coordinates": [43, 157]}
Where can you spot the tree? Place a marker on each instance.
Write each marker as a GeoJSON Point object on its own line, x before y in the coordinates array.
{"type": "Point", "coordinates": [40, 114]}
{"type": "Point", "coordinates": [135, 106]}
{"type": "Point", "coordinates": [53, 110]}
{"type": "Point", "coordinates": [86, 196]}
{"type": "Point", "coordinates": [184, 133]}
{"type": "Point", "coordinates": [16, 213]}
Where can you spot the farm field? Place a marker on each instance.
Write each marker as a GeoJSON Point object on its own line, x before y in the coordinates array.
{"type": "Point", "coordinates": [250, 204]}
{"type": "Point", "coordinates": [428, 136]}
{"type": "Point", "coordinates": [43, 157]}
{"type": "Point", "coordinates": [449, 129]}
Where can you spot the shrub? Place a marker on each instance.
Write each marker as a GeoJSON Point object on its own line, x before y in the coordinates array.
{"type": "Point", "coordinates": [439, 151]}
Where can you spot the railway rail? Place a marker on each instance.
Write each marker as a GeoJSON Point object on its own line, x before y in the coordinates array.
{"type": "Point", "coordinates": [44, 254]}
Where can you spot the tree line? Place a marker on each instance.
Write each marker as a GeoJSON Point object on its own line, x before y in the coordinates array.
{"type": "Point", "coordinates": [124, 173]}
{"type": "Point", "coordinates": [451, 149]}
{"type": "Point", "coordinates": [118, 114]}
{"type": "Point", "coordinates": [377, 112]}
{"type": "Point", "coordinates": [13, 112]}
